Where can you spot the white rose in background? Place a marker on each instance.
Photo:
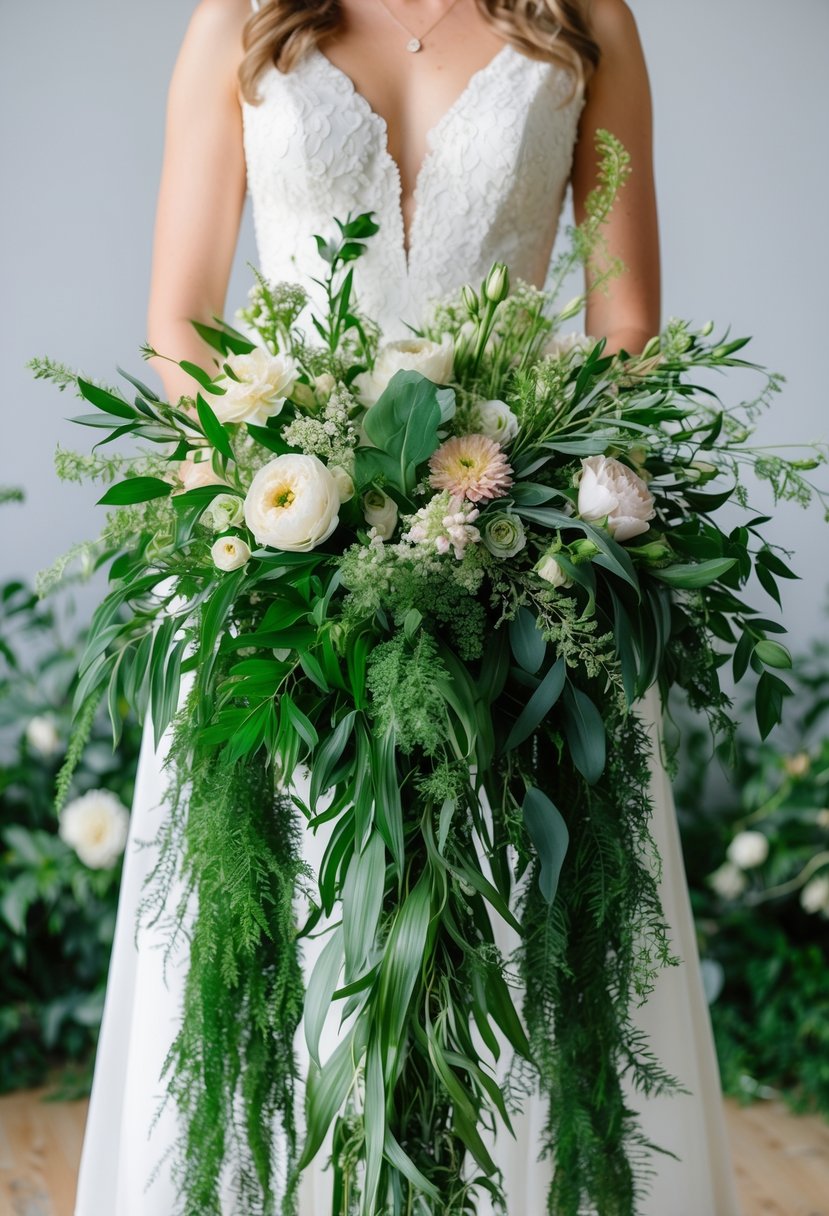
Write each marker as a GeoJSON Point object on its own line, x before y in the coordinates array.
{"type": "Point", "coordinates": [551, 571]}
{"type": "Point", "coordinates": [432, 359]}
{"type": "Point", "coordinates": [96, 827]}
{"type": "Point", "coordinates": [263, 382]}
{"type": "Point", "coordinates": [293, 503]}
{"type": "Point", "coordinates": [609, 490]}
{"type": "Point", "coordinates": [380, 513]}
{"type": "Point", "coordinates": [748, 849]}
{"type": "Point", "coordinates": [814, 897]}
{"type": "Point", "coordinates": [229, 553]}
{"type": "Point", "coordinates": [225, 511]}
{"type": "Point", "coordinates": [503, 534]}
{"type": "Point", "coordinates": [42, 736]}
{"type": "Point", "coordinates": [496, 420]}
{"type": "Point", "coordinates": [344, 481]}
{"type": "Point", "coordinates": [728, 881]}
{"type": "Point", "coordinates": [564, 344]}
{"type": "Point", "coordinates": [196, 470]}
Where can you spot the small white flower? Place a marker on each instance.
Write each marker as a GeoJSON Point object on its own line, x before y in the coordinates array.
{"type": "Point", "coordinates": [728, 881]}
{"type": "Point", "coordinates": [815, 895]}
{"type": "Point", "coordinates": [96, 827]}
{"type": "Point", "coordinates": [560, 345]}
{"type": "Point", "coordinates": [432, 359]}
{"type": "Point", "coordinates": [496, 420]}
{"type": "Point", "coordinates": [293, 503]}
{"type": "Point", "coordinates": [343, 479]}
{"type": "Point", "coordinates": [551, 571]}
{"type": "Point", "coordinates": [610, 491]}
{"type": "Point", "coordinates": [263, 382]}
{"type": "Point", "coordinates": [42, 736]}
{"type": "Point", "coordinates": [748, 849]}
{"type": "Point", "coordinates": [380, 513]}
{"type": "Point", "coordinates": [229, 553]}
{"type": "Point", "coordinates": [225, 511]}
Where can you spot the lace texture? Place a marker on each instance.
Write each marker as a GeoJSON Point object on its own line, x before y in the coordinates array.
{"type": "Point", "coordinates": [492, 184]}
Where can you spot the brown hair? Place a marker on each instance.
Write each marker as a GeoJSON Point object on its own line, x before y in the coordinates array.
{"type": "Point", "coordinates": [558, 31]}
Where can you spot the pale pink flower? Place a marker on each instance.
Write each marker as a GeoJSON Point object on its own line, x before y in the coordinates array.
{"type": "Point", "coordinates": [471, 466]}
{"type": "Point", "coordinates": [196, 471]}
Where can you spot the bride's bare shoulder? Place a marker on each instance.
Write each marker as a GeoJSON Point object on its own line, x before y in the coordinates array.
{"type": "Point", "coordinates": [613, 26]}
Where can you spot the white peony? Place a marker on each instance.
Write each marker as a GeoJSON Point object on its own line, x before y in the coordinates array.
{"type": "Point", "coordinates": [610, 491]}
{"type": "Point", "coordinates": [815, 895]}
{"type": "Point", "coordinates": [728, 881]}
{"type": "Point", "coordinates": [380, 513]}
{"type": "Point", "coordinates": [748, 849]}
{"type": "Point", "coordinates": [432, 359]}
{"type": "Point", "coordinates": [496, 420]}
{"type": "Point", "coordinates": [42, 736]}
{"type": "Point", "coordinates": [551, 571]}
{"type": "Point", "coordinates": [293, 503]}
{"type": "Point", "coordinates": [229, 553]}
{"type": "Point", "coordinates": [344, 480]}
{"type": "Point", "coordinates": [560, 345]}
{"type": "Point", "coordinates": [96, 827]}
{"type": "Point", "coordinates": [196, 470]}
{"type": "Point", "coordinates": [263, 382]}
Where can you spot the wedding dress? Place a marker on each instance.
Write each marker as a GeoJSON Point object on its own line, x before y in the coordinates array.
{"type": "Point", "coordinates": [491, 187]}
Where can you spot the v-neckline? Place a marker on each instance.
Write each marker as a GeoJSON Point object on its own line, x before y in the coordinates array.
{"type": "Point", "coordinates": [407, 239]}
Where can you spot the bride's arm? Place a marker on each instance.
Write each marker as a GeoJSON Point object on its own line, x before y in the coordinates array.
{"type": "Point", "coordinates": [202, 190]}
{"type": "Point", "coordinates": [619, 99]}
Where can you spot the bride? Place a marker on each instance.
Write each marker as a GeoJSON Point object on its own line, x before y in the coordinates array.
{"type": "Point", "coordinates": [461, 123]}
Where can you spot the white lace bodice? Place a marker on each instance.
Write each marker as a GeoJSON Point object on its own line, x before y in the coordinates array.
{"type": "Point", "coordinates": [491, 186]}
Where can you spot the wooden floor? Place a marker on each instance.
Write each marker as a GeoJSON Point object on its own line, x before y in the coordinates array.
{"type": "Point", "coordinates": [782, 1161]}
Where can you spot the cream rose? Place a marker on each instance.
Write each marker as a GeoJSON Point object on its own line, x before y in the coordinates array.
{"type": "Point", "coordinates": [432, 359]}
{"type": "Point", "coordinates": [42, 736]}
{"type": "Point", "coordinates": [263, 381]}
{"type": "Point", "coordinates": [380, 513]}
{"type": "Point", "coordinates": [728, 881]}
{"type": "Point", "coordinates": [551, 571]}
{"type": "Point", "coordinates": [293, 503]}
{"type": "Point", "coordinates": [748, 849]}
{"type": "Point", "coordinates": [229, 553]}
{"type": "Point", "coordinates": [815, 896]}
{"type": "Point", "coordinates": [496, 420]}
{"type": "Point", "coordinates": [610, 491]}
{"type": "Point", "coordinates": [96, 827]}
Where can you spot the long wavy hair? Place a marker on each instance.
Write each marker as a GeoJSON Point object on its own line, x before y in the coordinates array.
{"type": "Point", "coordinates": [557, 31]}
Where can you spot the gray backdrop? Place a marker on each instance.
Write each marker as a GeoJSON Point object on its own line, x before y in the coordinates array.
{"type": "Point", "coordinates": [740, 95]}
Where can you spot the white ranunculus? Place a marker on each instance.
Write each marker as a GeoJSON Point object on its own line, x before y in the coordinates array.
{"type": "Point", "coordinates": [229, 553]}
{"type": "Point", "coordinates": [560, 345]}
{"type": "Point", "coordinates": [196, 470]}
{"type": "Point", "coordinates": [432, 359]}
{"type": "Point", "coordinates": [748, 849]}
{"type": "Point", "coordinates": [293, 503]}
{"type": "Point", "coordinates": [42, 736]}
{"type": "Point", "coordinates": [344, 480]}
{"type": "Point", "coordinates": [95, 826]}
{"type": "Point", "coordinates": [551, 571]}
{"type": "Point", "coordinates": [380, 513]}
{"type": "Point", "coordinates": [728, 881]}
{"type": "Point", "coordinates": [263, 382]}
{"type": "Point", "coordinates": [496, 420]}
{"type": "Point", "coordinates": [610, 491]}
{"type": "Point", "coordinates": [815, 895]}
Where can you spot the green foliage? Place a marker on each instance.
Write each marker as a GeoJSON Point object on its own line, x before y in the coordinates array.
{"type": "Point", "coordinates": [403, 679]}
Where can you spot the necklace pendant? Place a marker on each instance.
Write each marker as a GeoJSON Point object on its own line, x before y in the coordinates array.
{"type": "Point", "coordinates": [414, 45]}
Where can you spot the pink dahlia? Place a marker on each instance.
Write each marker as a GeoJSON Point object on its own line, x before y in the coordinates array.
{"type": "Point", "coordinates": [471, 466]}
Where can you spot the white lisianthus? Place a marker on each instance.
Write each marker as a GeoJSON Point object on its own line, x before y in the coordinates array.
{"type": "Point", "coordinates": [503, 534]}
{"type": "Point", "coordinates": [345, 483]}
{"type": "Point", "coordinates": [196, 470]}
{"type": "Point", "coordinates": [432, 359]}
{"type": "Point", "coordinates": [611, 494]}
{"type": "Point", "coordinates": [229, 553]}
{"type": "Point", "coordinates": [380, 513]}
{"type": "Point", "coordinates": [42, 736]}
{"type": "Point", "coordinates": [263, 382]}
{"type": "Point", "coordinates": [225, 511]}
{"type": "Point", "coordinates": [815, 895]}
{"type": "Point", "coordinates": [560, 345]}
{"type": "Point", "coordinates": [496, 420]}
{"type": "Point", "coordinates": [748, 849]}
{"type": "Point", "coordinates": [293, 503]}
{"type": "Point", "coordinates": [96, 827]}
{"type": "Point", "coordinates": [551, 571]}
{"type": "Point", "coordinates": [728, 881]}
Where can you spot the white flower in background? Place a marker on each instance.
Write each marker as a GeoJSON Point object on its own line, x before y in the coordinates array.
{"type": "Point", "coordinates": [344, 481]}
{"type": "Point", "coordinates": [560, 345]}
{"type": "Point", "coordinates": [496, 420]}
{"type": "Point", "coordinates": [728, 881]}
{"type": "Point", "coordinates": [432, 359]}
{"type": "Point", "coordinates": [748, 849]}
{"type": "Point", "coordinates": [503, 534]}
{"type": "Point", "coordinates": [229, 553]}
{"type": "Point", "coordinates": [263, 382]}
{"type": "Point", "coordinates": [797, 765]}
{"type": "Point", "coordinates": [823, 818]}
{"type": "Point", "coordinates": [444, 523]}
{"type": "Point", "coordinates": [610, 491]}
{"type": "Point", "coordinates": [551, 571]}
{"type": "Point", "coordinates": [293, 503]}
{"type": "Point", "coordinates": [225, 511]}
{"type": "Point", "coordinates": [380, 513]}
{"type": "Point", "coordinates": [324, 384]}
{"type": "Point", "coordinates": [42, 736]}
{"type": "Point", "coordinates": [815, 895]}
{"type": "Point", "coordinates": [196, 470]}
{"type": "Point", "coordinates": [95, 826]}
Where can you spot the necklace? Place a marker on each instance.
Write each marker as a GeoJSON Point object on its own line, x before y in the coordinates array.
{"type": "Point", "coordinates": [415, 44]}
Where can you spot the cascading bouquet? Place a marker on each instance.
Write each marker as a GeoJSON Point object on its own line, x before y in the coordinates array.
{"type": "Point", "coordinates": [440, 573]}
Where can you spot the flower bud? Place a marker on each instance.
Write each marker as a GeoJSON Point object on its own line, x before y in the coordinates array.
{"type": "Point", "coordinates": [303, 395]}
{"type": "Point", "coordinates": [229, 553]}
{"type": "Point", "coordinates": [552, 572]}
{"type": "Point", "coordinates": [707, 328]}
{"type": "Point", "coordinates": [496, 286]}
{"type": "Point", "coordinates": [470, 299]}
